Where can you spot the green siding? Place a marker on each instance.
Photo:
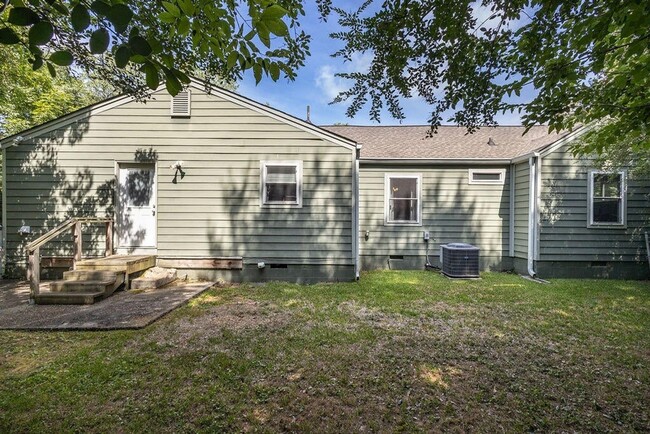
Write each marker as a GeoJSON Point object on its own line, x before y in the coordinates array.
{"type": "Point", "coordinates": [452, 209]}
{"type": "Point", "coordinates": [522, 197]}
{"type": "Point", "coordinates": [215, 209]}
{"type": "Point", "coordinates": [564, 235]}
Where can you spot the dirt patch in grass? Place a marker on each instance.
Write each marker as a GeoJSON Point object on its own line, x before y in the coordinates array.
{"type": "Point", "coordinates": [387, 354]}
{"type": "Point", "coordinates": [239, 316]}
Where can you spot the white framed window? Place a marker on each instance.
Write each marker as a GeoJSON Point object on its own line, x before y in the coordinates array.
{"type": "Point", "coordinates": [607, 198]}
{"type": "Point", "coordinates": [403, 199]}
{"type": "Point", "coordinates": [281, 184]}
{"type": "Point", "coordinates": [487, 176]}
{"type": "Point", "coordinates": [181, 104]}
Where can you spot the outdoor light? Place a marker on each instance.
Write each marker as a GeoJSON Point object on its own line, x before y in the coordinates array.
{"type": "Point", "coordinates": [177, 165]}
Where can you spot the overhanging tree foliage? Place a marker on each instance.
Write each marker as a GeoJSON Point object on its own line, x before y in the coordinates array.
{"type": "Point", "coordinates": [133, 42]}
{"type": "Point", "coordinates": [586, 61]}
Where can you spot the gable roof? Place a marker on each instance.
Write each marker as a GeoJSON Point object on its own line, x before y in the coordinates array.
{"type": "Point", "coordinates": [233, 97]}
{"type": "Point", "coordinates": [410, 142]}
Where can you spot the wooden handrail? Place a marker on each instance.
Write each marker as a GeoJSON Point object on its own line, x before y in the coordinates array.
{"type": "Point", "coordinates": [53, 233]}
{"type": "Point", "coordinates": [34, 248]}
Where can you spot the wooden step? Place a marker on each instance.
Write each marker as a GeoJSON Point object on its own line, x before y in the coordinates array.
{"type": "Point", "coordinates": [48, 297]}
{"type": "Point", "coordinates": [81, 285]}
{"type": "Point", "coordinates": [91, 275]}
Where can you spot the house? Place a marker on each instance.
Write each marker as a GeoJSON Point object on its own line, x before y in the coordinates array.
{"type": "Point", "coordinates": [525, 200]}
{"type": "Point", "coordinates": [223, 187]}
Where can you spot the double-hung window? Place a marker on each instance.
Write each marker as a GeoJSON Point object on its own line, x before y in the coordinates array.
{"type": "Point", "coordinates": [403, 199]}
{"type": "Point", "coordinates": [607, 201]}
{"type": "Point", "coordinates": [281, 183]}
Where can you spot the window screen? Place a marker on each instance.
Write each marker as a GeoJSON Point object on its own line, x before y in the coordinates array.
{"type": "Point", "coordinates": [403, 200]}
{"type": "Point", "coordinates": [607, 198]}
{"type": "Point", "coordinates": [281, 184]}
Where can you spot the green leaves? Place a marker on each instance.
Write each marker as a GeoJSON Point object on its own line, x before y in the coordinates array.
{"type": "Point", "coordinates": [62, 58]}
{"type": "Point", "coordinates": [139, 45]}
{"type": "Point", "coordinates": [273, 12]}
{"type": "Point", "coordinates": [151, 75]}
{"type": "Point", "coordinates": [40, 33]}
{"type": "Point", "coordinates": [122, 55]}
{"type": "Point", "coordinates": [99, 41]}
{"type": "Point", "coordinates": [21, 16]}
{"type": "Point", "coordinates": [8, 36]}
{"type": "Point", "coordinates": [213, 37]}
{"type": "Point", "coordinates": [80, 18]}
{"type": "Point", "coordinates": [100, 7]}
{"type": "Point", "coordinates": [172, 9]}
{"type": "Point", "coordinates": [120, 16]}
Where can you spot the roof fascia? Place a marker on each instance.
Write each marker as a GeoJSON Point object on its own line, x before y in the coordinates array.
{"type": "Point", "coordinates": [441, 161]}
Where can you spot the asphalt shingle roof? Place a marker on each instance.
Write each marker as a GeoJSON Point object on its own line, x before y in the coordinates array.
{"type": "Point", "coordinates": [411, 141]}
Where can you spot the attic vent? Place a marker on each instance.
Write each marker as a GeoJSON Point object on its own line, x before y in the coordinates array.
{"type": "Point", "coordinates": [181, 104]}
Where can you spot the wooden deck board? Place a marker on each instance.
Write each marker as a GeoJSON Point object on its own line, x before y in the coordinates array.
{"type": "Point", "coordinates": [127, 263]}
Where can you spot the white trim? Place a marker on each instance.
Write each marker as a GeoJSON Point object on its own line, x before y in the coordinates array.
{"type": "Point", "coordinates": [355, 213]}
{"type": "Point", "coordinates": [186, 114]}
{"type": "Point", "coordinates": [298, 165]}
{"type": "Point", "coordinates": [511, 214]}
{"type": "Point", "coordinates": [566, 139]}
{"type": "Point", "coordinates": [590, 200]}
{"type": "Point", "coordinates": [532, 213]}
{"type": "Point", "coordinates": [4, 210]}
{"type": "Point", "coordinates": [500, 172]}
{"type": "Point", "coordinates": [428, 161]}
{"type": "Point", "coordinates": [387, 178]}
{"type": "Point", "coordinates": [538, 205]}
{"type": "Point", "coordinates": [118, 208]}
{"type": "Point", "coordinates": [552, 147]}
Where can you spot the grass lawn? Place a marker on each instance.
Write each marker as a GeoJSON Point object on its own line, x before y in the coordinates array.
{"type": "Point", "coordinates": [398, 351]}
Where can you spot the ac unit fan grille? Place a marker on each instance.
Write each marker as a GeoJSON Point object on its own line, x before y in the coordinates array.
{"type": "Point", "coordinates": [460, 260]}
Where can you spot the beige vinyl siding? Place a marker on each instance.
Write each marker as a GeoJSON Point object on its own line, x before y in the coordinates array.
{"type": "Point", "coordinates": [564, 235]}
{"type": "Point", "coordinates": [452, 211]}
{"type": "Point", "coordinates": [522, 204]}
{"type": "Point", "coordinates": [214, 210]}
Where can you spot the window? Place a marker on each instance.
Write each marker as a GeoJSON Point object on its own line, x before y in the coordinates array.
{"type": "Point", "coordinates": [607, 198]}
{"type": "Point", "coordinates": [403, 205]}
{"type": "Point", "coordinates": [281, 183]}
{"type": "Point", "coordinates": [487, 176]}
{"type": "Point", "coordinates": [181, 104]}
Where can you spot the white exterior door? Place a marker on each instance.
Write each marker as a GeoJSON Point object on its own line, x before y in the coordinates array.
{"type": "Point", "coordinates": [136, 206]}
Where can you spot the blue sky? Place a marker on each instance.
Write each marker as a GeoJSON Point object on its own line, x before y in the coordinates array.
{"type": "Point", "coordinates": [316, 84]}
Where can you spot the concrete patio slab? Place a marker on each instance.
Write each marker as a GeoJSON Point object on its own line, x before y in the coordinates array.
{"type": "Point", "coordinates": [123, 310]}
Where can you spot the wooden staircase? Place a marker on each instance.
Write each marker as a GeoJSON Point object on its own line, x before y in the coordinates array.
{"type": "Point", "coordinates": [81, 287]}
{"type": "Point", "coordinates": [91, 279]}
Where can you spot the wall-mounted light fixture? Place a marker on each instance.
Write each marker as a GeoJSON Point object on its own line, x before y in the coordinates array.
{"type": "Point", "coordinates": [178, 168]}
{"type": "Point", "coordinates": [178, 165]}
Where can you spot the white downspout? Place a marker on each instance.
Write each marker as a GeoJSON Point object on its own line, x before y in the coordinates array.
{"type": "Point", "coordinates": [532, 213]}
{"type": "Point", "coordinates": [511, 214]}
{"type": "Point", "coordinates": [4, 212]}
{"type": "Point", "coordinates": [357, 204]}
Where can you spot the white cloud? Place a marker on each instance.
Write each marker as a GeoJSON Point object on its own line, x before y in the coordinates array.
{"type": "Point", "coordinates": [331, 85]}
